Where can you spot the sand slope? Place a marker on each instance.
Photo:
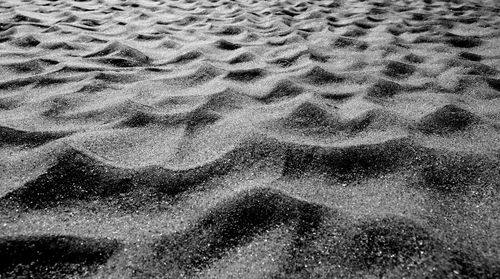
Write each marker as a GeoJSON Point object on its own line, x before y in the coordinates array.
{"type": "Point", "coordinates": [250, 139]}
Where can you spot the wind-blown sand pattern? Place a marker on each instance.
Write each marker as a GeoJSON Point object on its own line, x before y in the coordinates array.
{"type": "Point", "coordinates": [250, 139]}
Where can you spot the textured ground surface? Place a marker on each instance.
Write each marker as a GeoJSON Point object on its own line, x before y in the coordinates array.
{"type": "Point", "coordinates": [249, 139]}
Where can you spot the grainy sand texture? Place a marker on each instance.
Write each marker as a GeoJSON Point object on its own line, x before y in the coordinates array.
{"type": "Point", "coordinates": [249, 139]}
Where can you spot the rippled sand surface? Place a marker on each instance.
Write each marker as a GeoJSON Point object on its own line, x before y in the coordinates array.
{"type": "Point", "coordinates": [249, 139]}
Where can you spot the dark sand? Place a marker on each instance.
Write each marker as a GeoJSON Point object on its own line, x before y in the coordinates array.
{"type": "Point", "coordinates": [249, 139]}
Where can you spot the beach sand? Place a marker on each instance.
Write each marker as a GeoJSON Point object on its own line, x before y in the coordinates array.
{"type": "Point", "coordinates": [249, 139]}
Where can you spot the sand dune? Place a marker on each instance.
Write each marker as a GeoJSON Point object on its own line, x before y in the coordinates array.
{"type": "Point", "coordinates": [252, 139]}
{"type": "Point", "coordinates": [233, 223]}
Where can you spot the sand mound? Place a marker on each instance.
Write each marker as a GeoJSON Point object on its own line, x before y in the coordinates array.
{"type": "Point", "coordinates": [343, 42]}
{"type": "Point", "coordinates": [201, 75]}
{"type": "Point", "coordinates": [449, 118]}
{"type": "Point", "coordinates": [470, 56]}
{"type": "Point", "coordinates": [467, 264]}
{"type": "Point", "coordinates": [27, 41]}
{"type": "Point", "coordinates": [288, 60]}
{"type": "Point", "coordinates": [187, 57]}
{"type": "Point", "coordinates": [227, 101]}
{"type": "Point", "coordinates": [10, 136]}
{"type": "Point", "coordinates": [230, 31]}
{"type": "Point", "coordinates": [396, 69]}
{"type": "Point", "coordinates": [242, 58]}
{"type": "Point", "coordinates": [389, 242]}
{"type": "Point", "coordinates": [344, 162]}
{"type": "Point", "coordinates": [226, 45]}
{"type": "Point", "coordinates": [384, 88]}
{"type": "Point", "coordinates": [75, 176]}
{"type": "Point", "coordinates": [414, 58]}
{"type": "Point", "coordinates": [232, 223]}
{"type": "Point", "coordinates": [473, 68]}
{"type": "Point", "coordinates": [494, 83]}
{"type": "Point", "coordinates": [319, 76]}
{"type": "Point", "coordinates": [463, 41]}
{"type": "Point", "coordinates": [459, 174]}
{"type": "Point", "coordinates": [29, 66]}
{"type": "Point", "coordinates": [246, 75]}
{"type": "Point", "coordinates": [353, 32]}
{"type": "Point", "coordinates": [283, 90]}
{"type": "Point", "coordinates": [308, 114]}
{"type": "Point", "coordinates": [120, 55]}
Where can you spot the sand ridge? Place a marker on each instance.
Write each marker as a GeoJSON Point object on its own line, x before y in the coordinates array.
{"type": "Point", "coordinates": [253, 139]}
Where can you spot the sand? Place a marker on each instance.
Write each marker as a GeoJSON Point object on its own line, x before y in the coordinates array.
{"type": "Point", "coordinates": [249, 139]}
